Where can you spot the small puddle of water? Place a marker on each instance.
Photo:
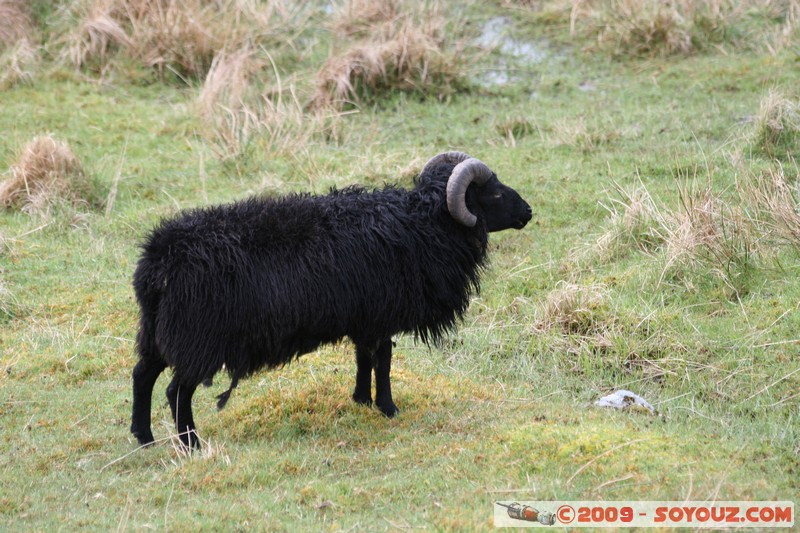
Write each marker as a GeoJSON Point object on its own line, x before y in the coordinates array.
{"type": "Point", "coordinates": [515, 53]}
{"type": "Point", "coordinates": [495, 34]}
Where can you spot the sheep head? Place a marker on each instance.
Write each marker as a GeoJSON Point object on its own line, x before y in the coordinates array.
{"type": "Point", "coordinates": [503, 207]}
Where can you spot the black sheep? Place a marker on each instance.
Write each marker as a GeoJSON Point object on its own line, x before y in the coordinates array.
{"type": "Point", "coordinates": [260, 282]}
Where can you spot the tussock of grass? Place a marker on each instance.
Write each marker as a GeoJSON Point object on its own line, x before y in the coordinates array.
{"type": "Point", "coordinates": [243, 105]}
{"type": "Point", "coordinates": [275, 121]}
{"type": "Point", "coordinates": [637, 27]}
{"type": "Point", "coordinates": [162, 34]}
{"type": "Point", "coordinates": [708, 234]}
{"type": "Point", "coordinates": [653, 28]}
{"type": "Point", "coordinates": [409, 53]}
{"type": "Point", "coordinates": [228, 81]}
{"type": "Point", "coordinates": [181, 37]}
{"type": "Point", "coordinates": [514, 129]}
{"type": "Point", "coordinates": [773, 206]}
{"type": "Point", "coordinates": [634, 224]}
{"type": "Point", "coordinates": [208, 451]}
{"type": "Point", "coordinates": [8, 302]}
{"type": "Point", "coordinates": [225, 102]}
{"type": "Point", "coordinates": [46, 171]}
{"type": "Point", "coordinates": [787, 35]}
{"type": "Point", "coordinates": [96, 38]}
{"type": "Point", "coordinates": [777, 126]}
{"type": "Point", "coordinates": [583, 320]}
{"type": "Point", "coordinates": [19, 55]}
{"type": "Point", "coordinates": [360, 17]}
{"type": "Point", "coordinates": [19, 64]}
{"type": "Point", "coordinates": [175, 34]}
{"type": "Point", "coordinates": [705, 235]}
{"type": "Point", "coordinates": [16, 22]}
{"type": "Point", "coordinates": [572, 308]}
{"type": "Point", "coordinates": [575, 133]}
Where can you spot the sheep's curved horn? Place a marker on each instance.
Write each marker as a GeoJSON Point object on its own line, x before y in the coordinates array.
{"type": "Point", "coordinates": [452, 158]}
{"type": "Point", "coordinates": [463, 174]}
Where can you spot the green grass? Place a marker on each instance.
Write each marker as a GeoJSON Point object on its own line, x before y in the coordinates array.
{"type": "Point", "coordinates": [501, 410]}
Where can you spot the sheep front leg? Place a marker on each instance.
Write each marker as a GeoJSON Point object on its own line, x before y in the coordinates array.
{"type": "Point", "coordinates": [180, 403]}
{"type": "Point", "coordinates": [363, 392]}
{"type": "Point", "coordinates": [383, 387]}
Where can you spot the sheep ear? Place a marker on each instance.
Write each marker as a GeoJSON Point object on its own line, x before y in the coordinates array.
{"type": "Point", "coordinates": [463, 174]}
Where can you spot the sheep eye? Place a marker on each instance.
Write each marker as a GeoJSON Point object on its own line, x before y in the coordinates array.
{"type": "Point", "coordinates": [498, 196]}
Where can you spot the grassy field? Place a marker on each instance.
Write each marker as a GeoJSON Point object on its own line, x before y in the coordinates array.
{"type": "Point", "coordinates": [656, 145]}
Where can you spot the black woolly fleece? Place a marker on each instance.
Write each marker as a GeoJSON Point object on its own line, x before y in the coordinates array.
{"type": "Point", "coordinates": [259, 282]}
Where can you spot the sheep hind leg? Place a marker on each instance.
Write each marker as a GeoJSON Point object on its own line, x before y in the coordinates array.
{"type": "Point", "coordinates": [180, 403]}
{"type": "Point", "coordinates": [364, 361]}
{"type": "Point", "coordinates": [383, 385]}
{"type": "Point", "coordinates": [145, 374]}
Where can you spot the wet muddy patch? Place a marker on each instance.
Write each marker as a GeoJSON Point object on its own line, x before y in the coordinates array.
{"type": "Point", "coordinates": [510, 58]}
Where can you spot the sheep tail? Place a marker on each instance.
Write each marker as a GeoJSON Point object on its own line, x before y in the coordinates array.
{"type": "Point", "coordinates": [222, 399]}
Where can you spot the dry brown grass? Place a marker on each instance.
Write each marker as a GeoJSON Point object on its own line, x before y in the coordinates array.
{"type": "Point", "coordinates": [97, 37]}
{"type": "Point", "coordinates": [576, 133]}
{"type": "Point", "coordinates": [163, 34]}
{"type": "Point", "coordinates": [228, 81]}
{"type": "Point", "coordinates": [777, 126]}
{"type": "Point", "coordinates": [587, 321]}
{"type": "Point", "coordinates": [706, 234]}
{"type": "Point", "coordinates": [693, 227]}
{"type": "Point", "coordinates": [223, 101]}
{"type": "Point", "coordinates": [274, 122]}
{"type": "Point", "coordinates": [8, 302]}
{"type": "Point", "coordinates": [787, 34]}
{"type": "Point", "coordinates": [634, 224]}
{"type": "Point", "coordinates": [659, 28]}
{"type": "Point", "coordinates": [45, 172]}
{"type": "Point", "coordinates": [513, 129]}
{"type": "Point", "coordinates": [663, 28]}
{"type": "Point", "coordinates": [773, 205]}
{"type": "Point", "coordinates": [243, 103]}
{"type": "Point", "coordinates": [406, 52]}
{"type": "Point", "coordinates": [709, 235]}
{"type": "Point", "coordinates": [16, 23]}
{"type": "Point", "coordinates": [19, 64]}
{"type": "Point", "coordinates": [181, 37]}
{"type": "Point", "coordinates": [572, 308]}
{"type": "Point", "coordinates": [176, 35]}
{"type": "Point", "coordinates": [359, 17]}
{"type": "Point", "coordinates": [636, 27]}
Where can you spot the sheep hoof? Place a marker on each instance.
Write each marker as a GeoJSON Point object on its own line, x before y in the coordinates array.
{"type": "Point", "coordinates": [145, 438]}
{"type": "Point", "coordinates": [189, 441]}
{"type": "Point", "coordinates": [363, 399]}
{"type": "Point", "coordinates": [390, 410]}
